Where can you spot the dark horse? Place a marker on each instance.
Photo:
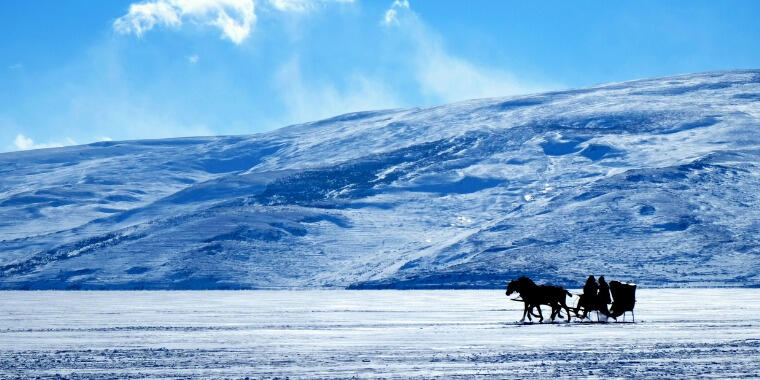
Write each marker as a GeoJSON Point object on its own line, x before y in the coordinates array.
{"type": "Point", "coordinates": [535, 295]}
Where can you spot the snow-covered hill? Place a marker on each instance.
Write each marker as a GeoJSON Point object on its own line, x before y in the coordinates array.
{"type": "Point", "coordinates": [654, 181]}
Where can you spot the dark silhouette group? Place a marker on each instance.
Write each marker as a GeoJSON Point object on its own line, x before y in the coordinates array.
{"type": "Point", "coordinates": [596, 297]}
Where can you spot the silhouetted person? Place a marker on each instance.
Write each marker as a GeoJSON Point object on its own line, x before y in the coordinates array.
{"type": "Point", "coordinates": [588, 299]}
{"type": "Point", "coordinates": [604, 292]}
{"type": "Point", "coordinates": [603, 297]}
{"type": "Point", "coordinates": [590, 289]}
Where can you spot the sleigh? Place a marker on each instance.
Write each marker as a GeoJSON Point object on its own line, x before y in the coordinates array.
{"type": "Point", "coordinates": [623, 299]}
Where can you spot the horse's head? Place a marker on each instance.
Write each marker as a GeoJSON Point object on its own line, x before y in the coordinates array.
{"type": "Point", "coordinates": [514, 286]}
{"type": "Point", "coordinates": [526, 283]}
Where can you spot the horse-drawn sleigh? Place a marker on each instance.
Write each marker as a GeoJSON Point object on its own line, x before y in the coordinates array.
{"type": "Point", "coordinates": [533, 296]}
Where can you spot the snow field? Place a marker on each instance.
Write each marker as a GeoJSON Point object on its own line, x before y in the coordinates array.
{"type": "Point", "coordinates": [368, 334]}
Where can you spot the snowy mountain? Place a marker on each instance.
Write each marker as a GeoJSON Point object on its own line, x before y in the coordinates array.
{"type": "Point", "coordinates": [652, 181]}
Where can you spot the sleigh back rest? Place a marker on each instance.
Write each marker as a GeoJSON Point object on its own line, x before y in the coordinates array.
{"type": "Point", "coordinates": [623, 295]}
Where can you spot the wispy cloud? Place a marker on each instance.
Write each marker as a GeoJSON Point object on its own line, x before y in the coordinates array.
{"type": "Point", "coordinates": [308, 100]}
{"type": "Point", "coordinates": [301, 5]}
{"type": "Point", "coordinates": [26, 143]}
{"type": "Point", "coordinates": [16, 66]}
{"type": "Point", "coordinates": [391, 15]}
{"type": "Point", "coordinates": [410, 65]}
{"type": "Point", "coordinates": [234, 18]}
{"type": "Point", "coordinates": [442, 75]}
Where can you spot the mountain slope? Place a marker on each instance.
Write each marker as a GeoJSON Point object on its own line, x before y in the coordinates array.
{"type": "Point", "coordinates": [654, 181]}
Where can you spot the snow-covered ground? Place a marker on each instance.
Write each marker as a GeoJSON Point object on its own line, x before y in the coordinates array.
{"type": "Point", "coordinates": [656, 181]}
{"type": "Point", "coordinates": [680, 333]}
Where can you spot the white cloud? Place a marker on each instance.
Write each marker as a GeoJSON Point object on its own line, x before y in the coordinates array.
{"type": "Point", "coordinates": [23, 143]}
{"type": "Point", "coordinates": [193, 59]}
{"type": "Point", "coordinates": [446, 77]}
{"type": "Point", "coordinates": [26, 143]}
{"type": "Point", "coordinates": [233, 17]}
{"type": "Point", "coordinates": [391, 15]}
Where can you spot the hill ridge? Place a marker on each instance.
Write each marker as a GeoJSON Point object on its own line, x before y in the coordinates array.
{"type": "Point", "coordinates": [652, 180]}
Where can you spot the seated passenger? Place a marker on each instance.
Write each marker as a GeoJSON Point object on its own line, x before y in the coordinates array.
{"type": "Point", "coordinates": [588, 299]}
{"type": "Point", "coordinates": [603, 298]}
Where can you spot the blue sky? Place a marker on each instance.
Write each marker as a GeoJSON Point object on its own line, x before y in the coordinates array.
{"type": "Point", "coordinates": [78, 71]}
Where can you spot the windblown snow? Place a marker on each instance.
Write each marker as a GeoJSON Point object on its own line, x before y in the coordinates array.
{"type": "Point", "coordinates": [652, 181]}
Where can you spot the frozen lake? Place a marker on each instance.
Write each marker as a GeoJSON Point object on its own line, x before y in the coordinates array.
{"type": "Point", "coordinates": [367, 334]}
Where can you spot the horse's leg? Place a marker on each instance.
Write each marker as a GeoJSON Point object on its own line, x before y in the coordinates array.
{"type": "Point", "coordinates": [555, 311]}
{"type": "Point", "coordinates": [559, 308]}
{"type": "Point", "coordinates": [560, 304]}
{"type": "Point", "coordinates": [540, 315]}
{"type": "Point", "coordinates": [578, 306]}
{"type": "Point", "coordinates": [532, 311]}
{"type": "Point", "coordinates": [525, 311]}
